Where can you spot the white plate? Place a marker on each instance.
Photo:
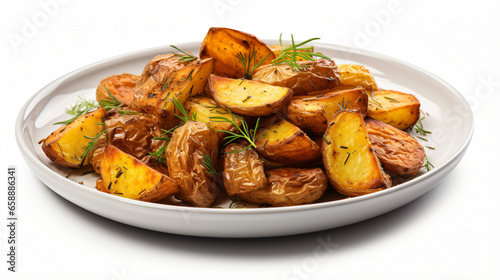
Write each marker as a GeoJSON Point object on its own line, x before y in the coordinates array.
{"type": "Point", "coordinates": [449, 119]}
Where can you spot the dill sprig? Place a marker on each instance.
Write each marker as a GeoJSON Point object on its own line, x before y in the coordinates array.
{"type": "Point", "coordinates": [185, 117]}
{"type": "Point", "coordinates": [291, 54]}
{"type": "Point", "coordinates": [244, 131]}
{"type": "Point", "coordinates": [90, 146]}
{"type": "Point", "coordinates": [160, 154]}
{"type": "Point", "coordinates": [249, 62]}
{"type": "Point", "coordinates": [207, 162]}
{"type": "Point", "coordinates": [185, 57]}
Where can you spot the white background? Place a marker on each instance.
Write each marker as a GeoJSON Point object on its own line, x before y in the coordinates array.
{"type": "Point", "coordinates": [452, 232]}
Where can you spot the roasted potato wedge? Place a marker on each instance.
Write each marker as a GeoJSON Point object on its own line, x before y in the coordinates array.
{"type": "Point", "coordinates": [400, 153]}
{"type": "Point", "coordinates": [290, 186]}
{"type": "Point", "coordinates": [157, 96]}
{"type": "Point", "coordinates": [227, 45]}
{"type": "Point", "coordinates": [318, 75]}
{"type": "Point", "coordinates": [248, 97]}
{"type": "Point", "coordinates": [277, 50]}
{"type": "Point", "coordinates": [185, 151]}
{"type": "Point", "coordinates": [312, 113]}
{"type": "Point", "coordinates": [203, 108]}
{"type": "Point", "coordinates": [120, 86]}
{"type": "Point", "coordinates": [243, 170]}
{"type": "Point", "coordinates": [280, 141]}
{"type": "Point", "coordinates": [399, 109]}
{"type": "Point", "coordinates": [124, 175]}
{"type": "Point", "coordinates": [350, 162]}
{"type": "Point", "coordinates": [67, 145]}
{"type": "Point", "coordinates": [357, 75]}
{"type": "Point", "coordinates": [161, 66]}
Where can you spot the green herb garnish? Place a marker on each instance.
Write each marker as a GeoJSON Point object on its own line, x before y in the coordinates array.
{"type": "Point", "coordinates": [244, 131]}
{"type": "Point", "coordinates": [419, 127]}
{"type": "Point", "coordinates": [185, 56]}
{"type": "Point", "coordinates": [249, 62]}
{"type": "Point", "coordinates": [207, 162]}
{"type": "Point", "coordinates": [291, 54]}
{"type": "Point", "coordinates": [427, 164]}
{"type": "Point", "coordinates": [90, 145]}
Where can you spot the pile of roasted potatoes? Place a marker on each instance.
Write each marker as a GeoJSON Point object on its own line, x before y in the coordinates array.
{"type": "Point", "coordinates": [272, 125]}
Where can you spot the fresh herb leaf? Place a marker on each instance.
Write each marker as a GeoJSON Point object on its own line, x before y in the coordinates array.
{"type": "Point", "coordinates": [249, 62]}
{"type": "Point", "coordinates": [82, 107]}
{"type": "Point", "coordinates": [374, 100]}
{"type": "Point", "coordinates": [427, 164]}
{"type": "Point", "coordinates": [419, 127]}
{"type": "Point", "coordinates": [244, 131]}
{"type": "Point", "coordinates": [291, 54]}
{"type": "Point", "coordinates": [90, 145]}
{"type": "Point", "coordinates": [207, 162]}
{"type": "Point", "coordinates": [185, 57]}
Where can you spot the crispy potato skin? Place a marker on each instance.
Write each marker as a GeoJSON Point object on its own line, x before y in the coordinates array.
{"type": "Point", "coordinates": [66, 145]}
{"type": "Point", "coordinates": [155, 96]}
{"type": "Point", "coordinates": [280, 141]}
{"type": "Point", "coordinates": [243, 171]}
{"type": "Point", "coordinates": [348, 157]}
{"type": "Point", "coordinates": [357, 75]}
{"type": "Point", "coordinates": [400, 153]}
{"type": "Point", "coordinates": [248, 97]}
{"type": "Point", "coordinates": [290, 186]}
{"type": "Point", "coordinates": [318, 75]}
{"type": "Point", "coordinates": [203, 108]}
{"type": "Point", "coordinates": [224, 44]}
{"type": "Point", "coordinates": [120, 86]}
{"type": "Point", "coordinates": [124, 175]}
{"type": "Point", "coordinates": [312, 113]}
{"type": "Point", "coordinates": [184, 155]}
{"type": "Point", "coordinates": [160, 67]}
{"type": "Point", "coordinates": [399, 109]}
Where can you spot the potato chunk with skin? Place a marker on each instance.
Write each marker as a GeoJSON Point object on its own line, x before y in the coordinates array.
{"type": "Point", "coordinates": [357, 75]}
{"type": "Point", "coordinates": [318, 75]}
{"type": "Point", "coordinates": [184, 155]}
{"type": "Point", "coordinates": [120, 86]}
{"type": "Point", "coordinates": [124, 175]}
{"type": "Point", "coordinates": [156, 96]}
{"type": "Point", "coordinates": [243, 170]}
{"type": "Point", "coordinates": [280, 141]}
{"type": "Point", "coordinates": [161, 66]}
{"type": "Point", "coordinates": [312, 113]}
{"type": "Point", "coordinates": [400, 153]}
{"type": "Point", "coordinates": [225, 45]}
{"type": "Point", "coordinates": [290, 186]}
{"type": "Point", "coordinates": [399, 109]}
{"type": "Point", "coordinates": [204, 108]}
{"type": "Point", "coordinates": [348, 156]}
{"type": "Point", "coordinates": [248, 97]}
{"type": "Point", "coordinates": [66, 146]}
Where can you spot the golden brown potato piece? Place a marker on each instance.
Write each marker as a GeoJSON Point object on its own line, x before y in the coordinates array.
{"type": "Point", "coordinates": [203, 108]}
{"type": "Point", "coordinates": [318, 75]}
{"type": "Point", "coordinates": [67, 145]}
{"type": "Point", "coordinates": [185, 162]}
{"type": "Point", "coordinates": [401, 110]}
{"type": "Point", "coordinates": [225, 45]}
{"type": "Point", "coordinates": [312, 113]}
{"type": "Point", "coordinates": [125, 176]}
{"type": "Point", "coordinates": [280, 141]}
{"type": "Point", "coordinates": [400, 153]}
{"type": "Point", "coordinates": [357, 75]}
{"type": "Point", "coordinates": [277, 50]}
{"type": "Point", "coordinates": [290, 186]}
{"type": "Point", "coordinates": [156, 96]}
{"type": "Point", "coordinates": [161, 66]}
{"type": "Point", "coordinates": [243, 170]}
{"type": "Point", "coordinates": [248, 97]}
{"type": "Point", "coordinates": [120, 86]}
{"type": "Point", "coordinates": [134, 134]}
{"type": "Point", "coordinates": [348, 157]}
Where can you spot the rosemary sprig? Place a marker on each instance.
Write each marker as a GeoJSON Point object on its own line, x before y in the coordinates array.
{"type": "Point", "coordinates": [207, 162]}
{"type": "Point", "coordinates": [90, 146]}
{"type": "Point", "coordinates": [185, 57]}
{"type": "Point", "coordinates": [185, 117]}
{"type": "Point", "coordinates": [374, 100]}
{"type": "Point", "coordinates": [419, 127]}
{"type": "Point", "coordinates": [244, 131]}
{"type": "Point", "coordinates": [391, 99]}
{"type": "Point", "coordinates": [79, 109]}
{"type": "Point", "coordinates": [249, 62]}
{"type": "Point", "coordinates": [160, 154]}
{"type": "Point", "coordinates": [427, 164]}
{"type": "Point", "coordinates": [290, 54]}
